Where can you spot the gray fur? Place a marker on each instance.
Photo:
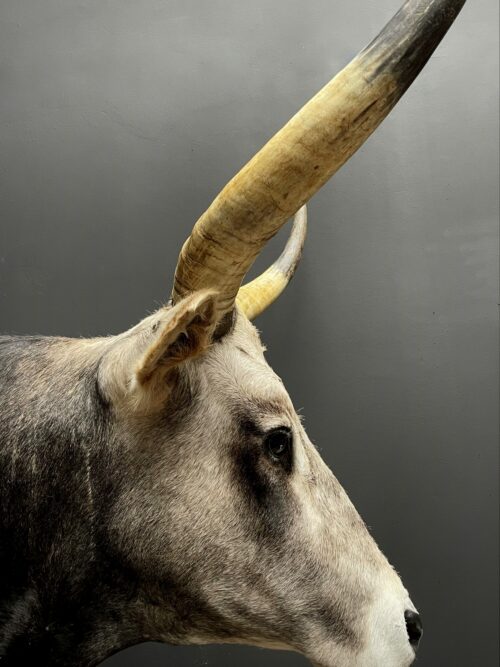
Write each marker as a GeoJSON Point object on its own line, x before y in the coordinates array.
{"type": "Point", "coordinates": [120, 524]}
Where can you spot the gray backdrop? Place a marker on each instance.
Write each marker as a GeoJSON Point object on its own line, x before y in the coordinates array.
{"type": "Point", "coordinates": [119, 122]}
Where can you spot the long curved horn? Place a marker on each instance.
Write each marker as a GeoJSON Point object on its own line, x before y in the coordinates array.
{"type": "Point", "coordinates": [257, 295]}
{"type": "Point", "coordinates": [309, 149]}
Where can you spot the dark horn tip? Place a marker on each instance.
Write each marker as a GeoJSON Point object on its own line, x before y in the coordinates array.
{"type": "Point", "coordinates": [409, 39]}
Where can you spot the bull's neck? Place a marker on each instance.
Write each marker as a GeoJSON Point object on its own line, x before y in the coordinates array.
{"type": "Point", "coordinates": [68, 603]}
{"type": "Point", "coordinates": [61, 603]}
{"type": "Point", "coordinates": [41, 636]}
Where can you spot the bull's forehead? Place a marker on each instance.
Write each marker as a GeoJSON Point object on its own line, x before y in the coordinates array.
{"type": "Point", "coordinates": [237, 370]}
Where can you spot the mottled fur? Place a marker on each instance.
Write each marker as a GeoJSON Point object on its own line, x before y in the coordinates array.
{"type": "Point", "coordinates": [137, 502]}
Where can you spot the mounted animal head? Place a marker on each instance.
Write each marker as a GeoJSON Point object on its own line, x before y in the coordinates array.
{"type": "Point", "coordinates": [202, 487]}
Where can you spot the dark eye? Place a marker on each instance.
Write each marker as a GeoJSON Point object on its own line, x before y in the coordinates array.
{"type": "Point", "coordinates": [278, 443]}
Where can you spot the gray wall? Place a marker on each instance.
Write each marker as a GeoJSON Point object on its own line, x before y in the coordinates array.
{"type": "Point", "coordinates": [121, 119]}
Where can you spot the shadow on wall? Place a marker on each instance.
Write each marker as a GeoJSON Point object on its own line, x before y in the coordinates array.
{"type": "Point", "coordinates": [161, 655]}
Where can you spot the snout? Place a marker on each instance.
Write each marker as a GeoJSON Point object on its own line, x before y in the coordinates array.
{"type": "Point", "coordinates": [394, 629]}
{"type": "Point", "coordinates": [414, 627]}
{"type": "Point", "coordinates": [392, 641]}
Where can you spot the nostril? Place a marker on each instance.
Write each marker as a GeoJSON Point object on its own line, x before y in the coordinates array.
{"type": "Point", "coordinates": [413, 627]}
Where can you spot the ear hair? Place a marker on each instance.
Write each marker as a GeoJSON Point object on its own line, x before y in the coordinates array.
{"type": "Point", "coordinates": [187, 334]}
{"type": "Point", "coordinates": [142, 365]}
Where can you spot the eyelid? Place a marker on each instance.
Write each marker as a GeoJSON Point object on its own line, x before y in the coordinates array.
{"type": "Point", "coordinates": [276, 424]}
{"type": "Point", "coordinates": [283, 427]}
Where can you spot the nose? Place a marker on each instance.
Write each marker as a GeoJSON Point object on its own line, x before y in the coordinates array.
{"type": "Point", "coordinates": [413, 627]}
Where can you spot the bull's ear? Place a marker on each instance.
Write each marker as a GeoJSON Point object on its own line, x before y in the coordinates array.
{"type": "Point", "coordinates": [142, 367]}
{"type": "Point", "coordinates": [186, 333]}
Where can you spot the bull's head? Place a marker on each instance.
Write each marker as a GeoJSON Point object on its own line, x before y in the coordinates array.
{"type": "Point", "coordinates": [234, 527]}
{"type": "Point", "coordinates": [259, 537]}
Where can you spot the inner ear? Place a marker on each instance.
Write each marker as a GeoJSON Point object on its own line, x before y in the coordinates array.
{"type": "Point", "coordinates": [187, 333]}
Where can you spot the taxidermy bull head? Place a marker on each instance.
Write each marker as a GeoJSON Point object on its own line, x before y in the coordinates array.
{"type": "Point", "coordinates": [158, 484]}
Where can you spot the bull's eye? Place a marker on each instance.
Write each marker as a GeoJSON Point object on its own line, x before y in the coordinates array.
{"type": "Point", "coordinates": [278, 443]}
